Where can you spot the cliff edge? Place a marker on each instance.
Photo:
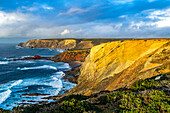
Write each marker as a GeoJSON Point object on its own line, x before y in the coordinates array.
{"type": "Point", "coordinates": [117, 64]}
{"type": "Point", "coordinates": [65, 43]}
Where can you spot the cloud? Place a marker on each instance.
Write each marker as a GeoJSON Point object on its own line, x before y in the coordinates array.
{"type": "Point", "coordinates": [47, 7]}
{"type": "Point", "coordinates": [121, 1]}
{"type": "Point", "coordinates": [73, 11]}
{"type": "Point", "coordinates": [76, 10]}
{"type": "Point", "coordinates": [37, 7]}
{"type": "Point", "coordinates": [97, 18]}
{"type": "Point", "coordinates": [66, 31]}
{"type": "Point", "coordinates": [162, 17]}
{"type": "Point", "coordinates": [12, 18]}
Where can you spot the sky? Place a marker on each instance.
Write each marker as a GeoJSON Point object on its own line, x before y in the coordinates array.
{"type": "Point", "coordinates": [84, 19]}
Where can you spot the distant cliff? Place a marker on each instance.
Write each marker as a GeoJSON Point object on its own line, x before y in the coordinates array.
{"type": "Point", "coordinates": [117, 64]}
{"type": "Point", "coordinates": [64, 43]}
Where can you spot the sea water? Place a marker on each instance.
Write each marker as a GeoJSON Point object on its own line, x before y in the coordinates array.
{"type": "Point", "coordinates": [29, 76]}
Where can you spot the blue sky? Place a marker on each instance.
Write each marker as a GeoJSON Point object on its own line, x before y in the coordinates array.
{"type": "Point", "coordinates": [84, 18]}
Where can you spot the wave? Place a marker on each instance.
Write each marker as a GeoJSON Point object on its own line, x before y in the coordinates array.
{"type": "Point", "coordinates": [26, 56]}
{"type": "Point", "coordinates": [4, 62]}
{"type": "Point", "coordinates": [16, 83]}
{"type": "Point", "coordinates": [59, 74]}
{"type": "Point", "coordinates": [23, 61]}
{"type": "Point", "coordinates": [38, 67]}
{"type": "Point", "coordinates": [4, 95]}
{"type": "Point", "coordinates": [64, 66]}
{"type": "Point", "coordinates": [60, 50]}
{"type": "Point", "coordinates": [1, 73]}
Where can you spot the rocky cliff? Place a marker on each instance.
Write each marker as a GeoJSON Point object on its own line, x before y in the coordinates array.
{"type": "Point", "coordinates": [64, 43]}
{"type": "Point", "coordinates": [113, 65]}
{"type": "Point", "coordinates": [71, 55]}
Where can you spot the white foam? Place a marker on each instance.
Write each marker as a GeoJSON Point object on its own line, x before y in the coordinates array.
{"type": "Point", "coordinates": [26, 56]}
{"type": "Point", "coordinates": [64, 66]}
{"type": "Point", "coordinates": [59, 74]}
{"type": "Point", "coordinates": [4, 95]}
{"type": "Point", "coordinates": [23, 61]}
{"type": "Point", "coordinates": [60, 50]}
{"type": "Point", "coordinates": [16, 83]}
{"type": "Point", "coordinates": [38, 67]}
{"type": "Point", "coordinates": [54, 78]}
{"type": "Point", "coordinates": [4, 62]}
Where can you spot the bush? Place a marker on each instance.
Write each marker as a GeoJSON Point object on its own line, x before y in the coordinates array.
{"type": "Point", "coordinates": [111, 98]}
{"type": "Point", "coordinates": [74, 106]}
{"type": "Point", "coordinates": [154, 101]}
{"type": "Point", "coordinates": [142, 85]}
{"type": "Point", "coordinates": [77, 97]}
{"type": "Point", "coordinates": [128, 101]}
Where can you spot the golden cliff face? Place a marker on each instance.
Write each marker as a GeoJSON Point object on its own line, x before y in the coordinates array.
{"type": "Point", "coordinates": [113, 65]}
{"type": "Point", "coordinates": [60, 44]}
{"type": "Point", "coordinates": [64, 43]}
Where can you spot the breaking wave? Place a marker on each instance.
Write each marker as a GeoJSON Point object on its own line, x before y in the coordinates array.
{"type": "Point", "coordinates": [4, 62]}
{"type": "Point", "coordinates": [38, 67]}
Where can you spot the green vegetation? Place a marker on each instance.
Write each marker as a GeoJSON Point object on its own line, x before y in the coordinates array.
{"type": "Point", "coordinates": [142, 85]}
{"type": "Point", "coordinates": [153, 101]}
{"type": "Point", "coordinates": [77, 97]}
{"type": "Point", "coordinates": [144, 96]}
{"type": "Point", "coordinates": [74, 106]}
{"type": "Point", "coordinates": [4, 111]}
{"type": "Point", "coordinates": [141, 97]}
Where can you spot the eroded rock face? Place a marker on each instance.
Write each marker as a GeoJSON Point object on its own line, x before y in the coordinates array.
{"type": "Point", "coordinates": [71, 55]}
{"type": "Point", "coordinates": [84, 45]}
{"type": "Point", "coordinates": [59, 44]}
{"type": "Point", "coordinates": [64, 43]}
{"type": "Point", "coordinates": [113, 65]}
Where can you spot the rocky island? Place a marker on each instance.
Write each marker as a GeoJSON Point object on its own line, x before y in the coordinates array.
{"type": "Point", "coordinates": [109, 72]}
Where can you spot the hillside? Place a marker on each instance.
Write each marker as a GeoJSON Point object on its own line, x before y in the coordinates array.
{"type": "Point", "coordinates": [114, 65]}
{"type": "Point", "coordinates": [145, 96]}
{"type": "Point", "coordinates": [65, 43]}
{"type": "Point", "coordinates": [119, 76]}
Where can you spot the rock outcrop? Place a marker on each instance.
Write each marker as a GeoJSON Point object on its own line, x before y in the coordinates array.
{"type": "Point", "coordinates": [113, 65]}
{"type": "Point", "coordinates": [71, 55]}
{"type": "Point", "coordinates": [64, 43]}
{"type": "Point", "coordinates": [59, 44]}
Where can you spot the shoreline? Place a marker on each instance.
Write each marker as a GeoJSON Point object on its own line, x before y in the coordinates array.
{"type": "Point", "coordinates": [70, 75]}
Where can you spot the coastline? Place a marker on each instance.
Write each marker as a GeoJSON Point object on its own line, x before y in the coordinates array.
{"type": "Point", "coordinates": [70, 75]}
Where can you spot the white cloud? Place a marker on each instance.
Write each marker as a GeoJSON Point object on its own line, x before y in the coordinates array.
{"type": "Point", "coordinates": [123, 16]}
{"type": "Point", "coordinates": [120, 1]}
{"type": "Point", "coordinates": [74, 11]}
{"type": "Point", "coordinates": [161, 17]}
{"type": "Point", "coordinates": [47, 7]}
{"type": "Point", "coordinates": [37, 7]}
{"type": "Point", "coordinates": [11, 18]}
{"type": "Point", "coordinates": [66, 31]}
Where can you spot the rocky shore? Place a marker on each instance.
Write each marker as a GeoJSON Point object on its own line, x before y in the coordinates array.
{"type": "Point", "coordinates": [109, 73]}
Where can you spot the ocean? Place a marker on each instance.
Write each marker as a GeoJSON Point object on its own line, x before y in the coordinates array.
{"type": "Point", "coordinates": [29, 76]}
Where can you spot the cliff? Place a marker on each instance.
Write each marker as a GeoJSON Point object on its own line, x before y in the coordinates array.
{"type": "Point", "coordinates": [71, 55]}
{"type": "Point", "coordinates": [118, 64]}
{"type": "Point", "coordinates": [65, 43]}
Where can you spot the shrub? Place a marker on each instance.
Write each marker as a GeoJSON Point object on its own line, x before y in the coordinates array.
{"type": "Point", "coordinates": [142, 85]}
{"type": "Point", "coordinates": [77, 97]}
{"type": "Point", "coordinates": [111, 98]}
{"type": "Point", "coordinates": [73, 106]}
{"type": "Point", "coordinates": [128, 101]}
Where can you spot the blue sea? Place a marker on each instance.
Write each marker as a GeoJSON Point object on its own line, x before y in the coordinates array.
{"type": "Point", "coordinates": [29, 76]}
